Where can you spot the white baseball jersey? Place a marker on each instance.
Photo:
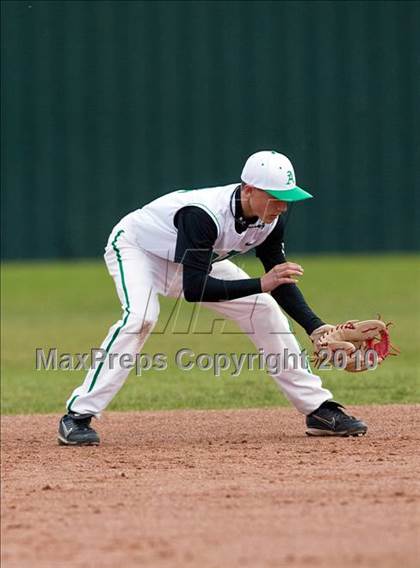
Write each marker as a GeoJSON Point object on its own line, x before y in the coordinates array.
{"type": "Point", "coordinates": [154, 229]}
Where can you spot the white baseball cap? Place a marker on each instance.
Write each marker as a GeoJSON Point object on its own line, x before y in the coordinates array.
{"type": "Point", "coordinates": [274, 173]}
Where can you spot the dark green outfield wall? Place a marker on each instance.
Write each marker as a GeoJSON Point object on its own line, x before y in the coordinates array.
{"type": "Point", "coordinates": [106, 105]}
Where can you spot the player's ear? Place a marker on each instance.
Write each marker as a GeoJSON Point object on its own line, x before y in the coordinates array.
{"type": "Point", "coordinates": [246, 189]}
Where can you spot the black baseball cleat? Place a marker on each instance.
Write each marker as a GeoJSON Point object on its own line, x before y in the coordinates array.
{"type": "Point", "coordinates": [74, 430]}
{"type": "Point", "coordinates": [330, 420]}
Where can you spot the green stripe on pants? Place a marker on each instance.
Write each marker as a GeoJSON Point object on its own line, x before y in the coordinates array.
{"type": "Point", "coordinates": [126, 309]}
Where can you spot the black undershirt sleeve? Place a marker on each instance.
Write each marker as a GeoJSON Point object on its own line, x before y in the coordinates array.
{"type": "Point", "coordinates": [288, 296]}
{"type": "Point", "coordinates": [197, 233]}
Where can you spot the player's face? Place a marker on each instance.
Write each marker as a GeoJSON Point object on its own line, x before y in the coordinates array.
{"type": "Point", "coordinates": [265, 206]}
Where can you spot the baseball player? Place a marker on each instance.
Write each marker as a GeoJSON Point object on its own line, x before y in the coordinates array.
{"type": "Point", "coordinates": [179, 245]}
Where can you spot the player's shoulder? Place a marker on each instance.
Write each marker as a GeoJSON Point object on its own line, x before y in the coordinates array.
{"type": "Point", "coordinates": [215, 199]}
{"type": "Point", "coordinates": [227, 189]}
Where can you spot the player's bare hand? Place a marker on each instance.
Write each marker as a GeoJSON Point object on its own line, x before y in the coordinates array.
{"type": "Point", "coordinates": [285, 273]}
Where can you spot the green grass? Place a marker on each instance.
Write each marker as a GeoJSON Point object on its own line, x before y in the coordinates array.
{"type": "Point", "coordinates": [71, 305]}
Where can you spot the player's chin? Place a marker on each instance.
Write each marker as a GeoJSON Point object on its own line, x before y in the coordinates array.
{"type": "Point", "coordinates": [270, 218]}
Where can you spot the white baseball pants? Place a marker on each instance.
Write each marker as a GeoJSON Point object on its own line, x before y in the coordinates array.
{"type": "Point", "coordinates": [139, 277]}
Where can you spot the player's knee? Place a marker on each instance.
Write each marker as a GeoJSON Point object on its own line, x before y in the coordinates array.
{"type": "Point", "coordinates": [267, 304]}
{"type": "Point", "coordinates": [138, 323]}
{"type": "Point", "coordinates": [146, 328]}
{"type": "Point", "coordinates": [270, 310]}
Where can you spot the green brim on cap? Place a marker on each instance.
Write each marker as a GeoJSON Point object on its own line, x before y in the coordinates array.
{"type": "Point", "coordinates": [294, 194]}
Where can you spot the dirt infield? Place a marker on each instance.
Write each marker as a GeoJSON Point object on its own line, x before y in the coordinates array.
{"type": "Point", "coordinates": [212, 489]}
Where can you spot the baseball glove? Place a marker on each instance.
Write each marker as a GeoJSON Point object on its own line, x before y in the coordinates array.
{"type": "Point", "coordinates": [354, 345]}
